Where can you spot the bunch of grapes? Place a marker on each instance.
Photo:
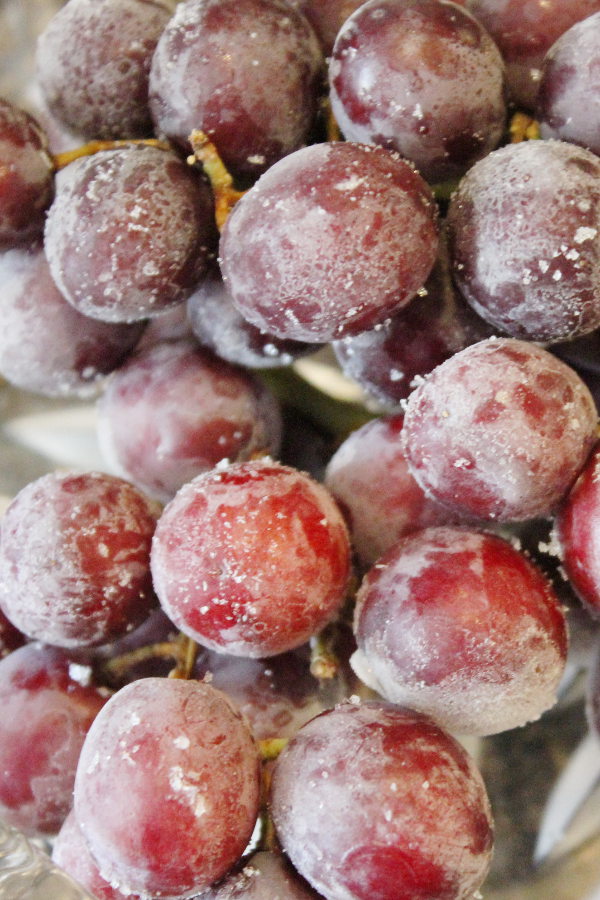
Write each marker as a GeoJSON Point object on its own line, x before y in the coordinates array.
{"type": "Point", "coordinates": [243, 655]}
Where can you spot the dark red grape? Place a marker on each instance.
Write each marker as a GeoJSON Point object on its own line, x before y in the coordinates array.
{"type": "Point", "coordinates": [26, 176]}
{"type": "Point", "coordinates": [47, 709]}
{"type": "Point", "coordinates": [326, 17]}
{"type": "Point", "coordinates": [463, 627]}
{"type": "Point", "coordinates": [266, 875]}
{"type": "Point", "coordinates": [217, 324]}
{"type": "Point", "coordinates": [251, 559]}
{"type": "Point", "coordinates": [578, 534]}
{"type": "Point", "coordinates": [422, 77]}
{"type": "Point", "coordinates": [369, 477]}
{"type": "Point", "coordinates": [74, 559]}
{"type": "Point", "coordinates": [524, 31]}
{"type": "Point", "coordinates": [175, 410]}
{"type": "Point", "coordinates": [565, 106]}
{"type": "Point", "coordinates": [167, 787]}
{"type": "Point", "coordinates": [245, 72]}
{"type": "Point", "coordinates": [523, 230]}
{"type": "Point", "coordinates": [93, 64]}
{"type": "Point", "coordinates": [330, 241]}
{"type": "Point", "coordinates": [500, 430]}
{"type": "Point", "coordinates": [46, 346]}
{"type": "Point", "coordinates": [376, 802]}
{"type": "Point", "coordinates": [130, 232]}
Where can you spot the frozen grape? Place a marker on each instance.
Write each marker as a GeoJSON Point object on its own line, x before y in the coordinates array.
{"type": "Point", "coordinates": [463, 627]}
{"type": "Point", "coordinates": [326, 17]}
{"type": "Point", "coordinates": [167, 787]}
{"type": "Point", "coordinates": [130, 232]}
{"type": "Point", "coordinates": [523, 228]}
{"type": "Point", "coordinates": [46, 346]}
{"type": "Point", "coordinates": [75, 558]}
{"type": "Point", "coordinates": [376, 801]}
{"type": "Point", "coordinates": [251, 559]}
{"type": "Point", "coordinates": [47, 709]}
{"type": "Point", "coordinates": [330, 241]}
{"type": "Point", "coordinates": [245, 72]}
{"type": "Point", "coordinates": [499, 431]}
{"type": "Point", "coordinates": [26, 176]}
{"type": "Point", "coordinates": [423, 78]}
{"type": "Point", "coordinates": [93, 65]}
{"type": "Point", "coordinates": [175, 410]}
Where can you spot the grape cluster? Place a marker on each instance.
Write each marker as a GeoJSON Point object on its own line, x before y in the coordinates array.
{"type": "Point", "coordinates": [241, 655]}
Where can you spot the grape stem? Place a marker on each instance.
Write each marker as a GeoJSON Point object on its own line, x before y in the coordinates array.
{"type": "Point", "coordinates": [523, 128]}
{"type": "Point", "coordinates": [60, 160]}
{"type": "Point", "coordinates": [226, 196]}
{"type": "Point", "coordinates": [182, 649]}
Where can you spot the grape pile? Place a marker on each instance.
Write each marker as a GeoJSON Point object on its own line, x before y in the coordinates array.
{"type": "Point", "coordinates": [245, 656]}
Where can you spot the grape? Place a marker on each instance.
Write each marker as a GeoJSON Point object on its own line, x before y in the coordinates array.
{"type": "Point", "coordinates": [26, 176]}
{"type": "Point", "coordinates": [326, 17]}
{"type": "Point", "coordinates": [423, 78]}
{"type": "Point", "coordinates": [265, 876]}
{"type": "Point", "coordinates": [217, 324]}
{"type": "Point", "coordinates": [251, 559]}
{"type": "Point", "coordinates": [71, 853]}
{"type": "Point", "coordinates": [577, 533]}
{"type": "Point", "coordinates": [376, 802]}
{"type": "Point", "coordinates": [130, 232]}
{"type": "Point", "coordinates": [369, 477]}
{"type": "Point", "coordinates": [46, 346]}
{"type": "Point", "coordinates": [167, 787]}
{"type": "Point", "coordinates": [330, 241]}
{"type": "Point", "coordinates": [245, 72]}
{"type": "Point", "coordinates": [565, 104]}
{"type": "Point", "coordinates": [93, 65]}
{"type": "Point", "coordinates": [499, 431]}
{"type": "Point", "coordinates": [461, 626]}
{"type": "Point", "coordinates": [47, 710]}
{"type": "Point", "coordinates": [524, 31]}
{"type": "Point", "coordinates": [74, 558]}
{"type": "Point", "coordinates": [388, 360]}
{"type": "Point", "coordinates": [523, 229]}
{"type": "Point", "coordinates": [174, 410]}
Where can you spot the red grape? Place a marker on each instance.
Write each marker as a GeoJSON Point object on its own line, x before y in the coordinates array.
{"type": "Point", "coordinates": [500, 430]}
{"type": "Point", "coordinates": [376, 802]}
{"type": "Point", "coordinates": [461, 626]}
{"type": "Point", "coordinates": [167, 787]}
{"type": "Point", "coordinates": [175, 410]}
{"type": "Point", "coordinates": [326, 17]}
{"type": "Point", "coordinates": [46, 713]}
{"type": "Point", "coordinates": [74, 558]}
{"type": "Point", "coordinates": [130, 232]}
{"type": "Point", "coordinates": [330, 241]}
{"type": "Point", "coordinates": [422, 77]}
{"type": "Point", "coordinates": [245, 72]}
{"type": "Point", "coordinates": [251, 559]}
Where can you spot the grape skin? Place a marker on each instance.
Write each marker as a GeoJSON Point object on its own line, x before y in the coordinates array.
{"type": "Point", "coordinates": [93, 64]}
{"type": "Point", "coordinates": [167, 787]}
{"type": "Point", "coordinates": [251, 559]}
{"type": "Point", "coordinates": [74, 558]}
{"type": "Point", "coordinates": [423, 78]}
{"type": "Point", "coordinates": [174, 410]}
{"type": "Point", "coordinates": [46, 713]}
{"type": "Point", "coordinates": [130, 232]}
{"type": "Point", "coordinates": [499, 431]}
{"type": "Point", "coordinates": [376, 801]}
{"type": "Point", "coordinates": [330, 241]}
{"type": "Point", "coordinates": [461, 626]}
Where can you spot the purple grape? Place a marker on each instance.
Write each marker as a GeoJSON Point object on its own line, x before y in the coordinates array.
{"type": "Point", "coordinates": [422, 77]}
{"type": "Point", "coordinates": [130, 233]}
{"type": "Point", "coordinates": [93, 64]}
{"type": "Point", "coordinates": [326, 17]}
{"type": "Point", "coordinates": [330, 241]}
{"type": "Point", "coordinates": [245, 72]}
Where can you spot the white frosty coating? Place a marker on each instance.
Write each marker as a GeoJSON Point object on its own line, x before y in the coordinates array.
{"type": "Point", "coordinates": [530, 272]}
{"type": "Point", "coordinates": [323, 258]}
{"type": "Point", "coordinates": [374, 796]}
{"type": "Point", "coordinates": [400, 85]}
{"type": "Point", "coordinates": [143, 777]}
{"type": "Point", "coordinates": [519, 465]}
